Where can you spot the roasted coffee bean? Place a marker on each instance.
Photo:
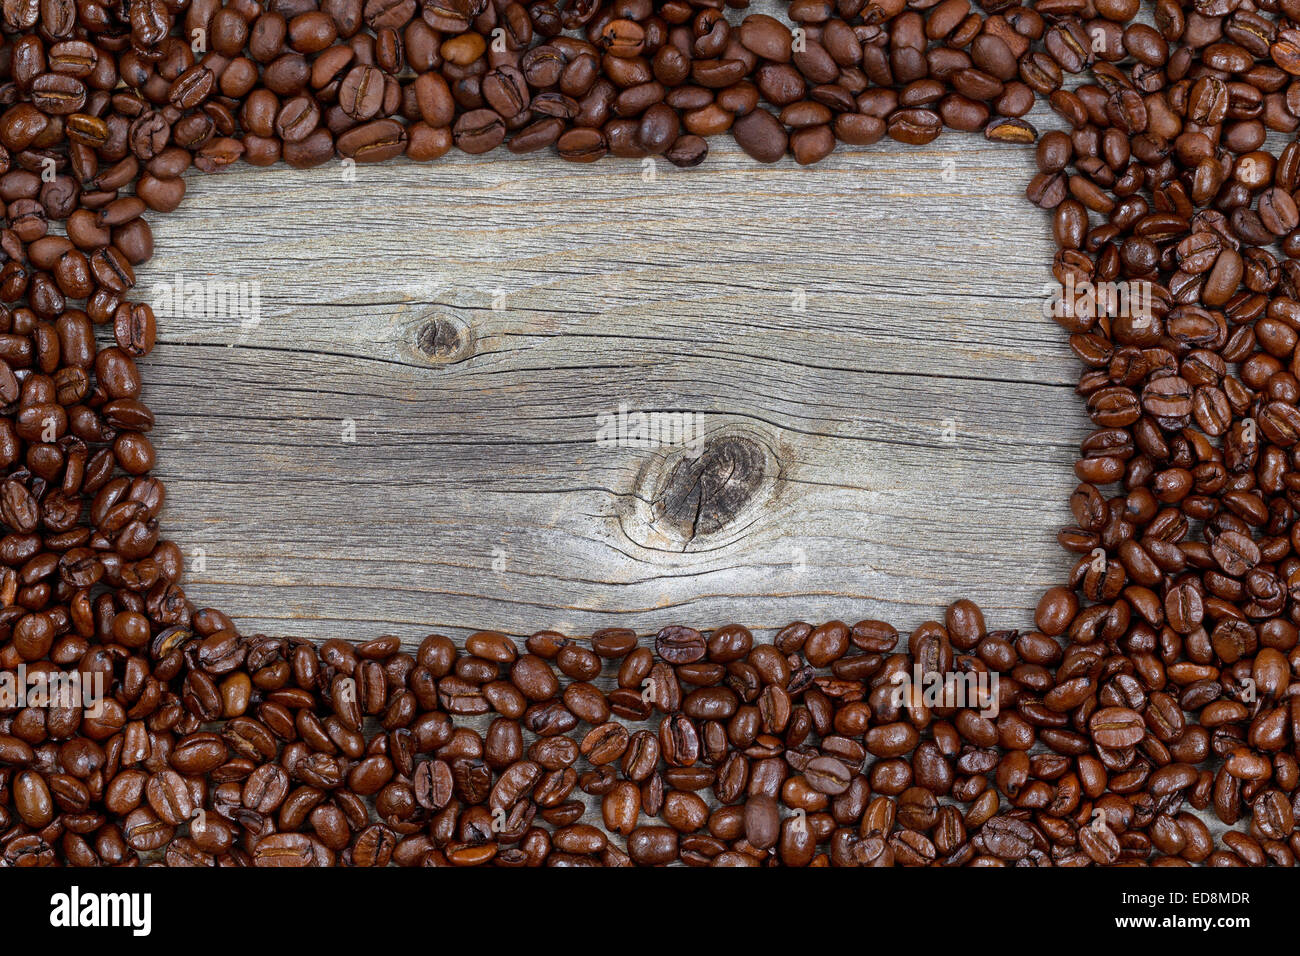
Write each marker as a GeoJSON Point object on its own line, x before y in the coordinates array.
{"type": "Point", "coordinates": [761, 135]}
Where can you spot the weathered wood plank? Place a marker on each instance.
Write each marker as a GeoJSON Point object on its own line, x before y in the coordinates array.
{"type": "Point", "coordinates": [888, 419]}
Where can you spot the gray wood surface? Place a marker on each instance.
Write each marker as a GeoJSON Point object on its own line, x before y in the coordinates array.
{"type": "Point", "coordinates": [904, 440]}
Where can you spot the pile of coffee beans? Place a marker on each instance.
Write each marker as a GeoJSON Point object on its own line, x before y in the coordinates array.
{"type": "Point", "coordinates": [1150, 717]}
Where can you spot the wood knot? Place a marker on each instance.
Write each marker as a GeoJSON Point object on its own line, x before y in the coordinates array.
{"type": "Point", "coordinates": [702, 492]}
{"type": "Point", "coordinates": [444, 340]}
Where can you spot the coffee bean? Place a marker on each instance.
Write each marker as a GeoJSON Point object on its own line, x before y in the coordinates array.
{"type": "Point", "coordinates": [680, 645]}
{"type": "Point", "coordinates": [479, 131]}
{"type": "Point", "coordinates": [1117, 727]}
{"type": "Point", "coordinates": [827, 775]}
{"type": "Point", "coordinates": [915, 127]}
{"type": "Point", "coordinates": [582, 145]}
{"type": "Point", "coordinates": [761, 135]}
{"type": "Point", "coordinates": [291, 849]}
{"type": "Point", "coordinates": [361, 94]}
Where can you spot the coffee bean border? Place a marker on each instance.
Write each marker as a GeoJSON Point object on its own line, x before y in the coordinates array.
{"type": "Point", "coordinates": [1155, 693]}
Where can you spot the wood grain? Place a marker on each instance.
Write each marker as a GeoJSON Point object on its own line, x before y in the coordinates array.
{"type": "Point", "coordinates": [903, 439]}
